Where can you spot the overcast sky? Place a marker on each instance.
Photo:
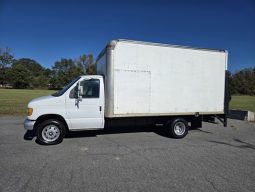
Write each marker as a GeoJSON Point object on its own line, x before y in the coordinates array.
{"type": "Point", "coordinates": [49, 30]}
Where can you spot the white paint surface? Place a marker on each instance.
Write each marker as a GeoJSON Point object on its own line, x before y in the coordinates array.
{"type": "Point", "coordinates": [163, 80]}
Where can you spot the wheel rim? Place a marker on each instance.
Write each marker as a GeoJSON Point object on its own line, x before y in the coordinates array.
{"type": "Point", "coordinates": [50, 133]}
{"type": "Point", "coordinates": [179, 128]}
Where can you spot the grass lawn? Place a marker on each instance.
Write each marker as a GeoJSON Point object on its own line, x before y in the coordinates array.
{"type": "Point", "coordinates": [243, 102]}
{"type": "Point", "coordinates": [14, 101]}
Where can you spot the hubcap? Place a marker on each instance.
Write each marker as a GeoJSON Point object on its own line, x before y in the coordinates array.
{"type": "Point", "coordinates": [179, 128]}
{"type": "Point", "coordinates": [50, 133]}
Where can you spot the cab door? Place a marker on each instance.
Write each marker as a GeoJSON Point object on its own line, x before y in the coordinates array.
{"type": "Point", "coordinates": [87, 110]}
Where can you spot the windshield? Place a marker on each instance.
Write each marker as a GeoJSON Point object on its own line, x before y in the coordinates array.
{"type": "Point", "coordinates": [61, 92]}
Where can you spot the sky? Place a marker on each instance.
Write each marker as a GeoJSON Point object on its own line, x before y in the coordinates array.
{"type": "Point", "coordinates": [48, 30]}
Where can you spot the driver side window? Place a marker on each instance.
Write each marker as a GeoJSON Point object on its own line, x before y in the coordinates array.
{"type": "Point", "coordinates": [91, 88]}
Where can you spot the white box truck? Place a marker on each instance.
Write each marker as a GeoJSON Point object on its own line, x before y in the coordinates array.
{"type": "Point", "coordinates": [137, 82]}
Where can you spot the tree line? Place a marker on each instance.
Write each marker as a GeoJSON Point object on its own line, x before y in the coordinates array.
{"type": "Point", "coordinates": [242, 82]}
{"type": "Point", "coordinates": [28, 73]}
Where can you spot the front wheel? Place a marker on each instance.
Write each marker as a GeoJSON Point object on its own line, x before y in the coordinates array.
{"type": "Point", "coordinates": [178, 128]}
{"type": "Point", "coordinates": [50, 132]}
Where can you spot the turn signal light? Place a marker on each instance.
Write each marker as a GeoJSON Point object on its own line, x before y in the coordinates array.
{"type": "Point", "coordinates": [29, 111]}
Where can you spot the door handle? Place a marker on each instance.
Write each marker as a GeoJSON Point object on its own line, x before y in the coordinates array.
{"type": "Point", "coordinates": [100, 108]}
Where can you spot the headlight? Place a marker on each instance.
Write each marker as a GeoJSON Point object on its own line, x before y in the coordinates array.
{"type": "Point", "coordinates": [29, 111]}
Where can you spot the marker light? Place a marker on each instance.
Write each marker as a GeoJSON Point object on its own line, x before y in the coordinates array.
{"type": "Point", "coordinates": [29, 111]}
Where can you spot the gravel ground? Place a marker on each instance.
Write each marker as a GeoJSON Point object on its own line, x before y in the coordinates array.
{"type": "Point", "coordinates": [214, 158]}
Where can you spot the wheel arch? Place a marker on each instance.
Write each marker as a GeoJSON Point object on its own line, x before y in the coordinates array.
{"type": "Point", "coordinates": [42, 118]}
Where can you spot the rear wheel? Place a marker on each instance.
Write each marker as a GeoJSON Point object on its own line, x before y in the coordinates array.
{"type": "Point", "coordinates": [178, 128]}
{"type": "Point", "coordinates": [50, 132]}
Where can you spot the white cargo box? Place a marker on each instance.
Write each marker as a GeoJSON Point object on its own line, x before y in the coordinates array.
{"type": "Point", "coordinates": [149, 79]}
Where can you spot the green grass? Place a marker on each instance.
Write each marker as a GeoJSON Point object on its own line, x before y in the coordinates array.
{"type": "Point", "coordinates": [243, 102]}
{"type": "Point", "coordinates": [14, 101]}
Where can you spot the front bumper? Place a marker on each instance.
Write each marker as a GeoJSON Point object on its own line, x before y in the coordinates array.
{"type": "Point", "coordinates": [29, 124]}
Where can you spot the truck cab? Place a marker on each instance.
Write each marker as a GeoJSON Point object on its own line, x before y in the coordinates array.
{"type": "Point", "coordinates": [78, 106]}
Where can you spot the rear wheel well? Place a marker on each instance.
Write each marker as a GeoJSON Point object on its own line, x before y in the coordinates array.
{"type": "Point", "coordinates": [51, 116]}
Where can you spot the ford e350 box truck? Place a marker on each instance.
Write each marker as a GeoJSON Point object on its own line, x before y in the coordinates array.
{"type": "Point", "coordinates": [146, 83]}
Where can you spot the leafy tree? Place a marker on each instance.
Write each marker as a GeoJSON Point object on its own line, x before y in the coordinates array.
{"type": "Point", "coordinates": [6, 59]}
{"type": "Point", "coordinates": [242, 82]}
{"type": "Point", "coordinates": [245, 81]}
{"type": "Point", "coordinates": [64, 71]}
{"type": "Point", "coordinates": [86, 61]}
{"type": "Point", "coordinates": [91, 70]}
{"type": "Point", "coordinates": [20, 76]}
{"type": "Point", "coordinates": [31, 65]}
{"type": "Point", "coordinates": [231, 85]}
{"type": "Point", "coordinates": [36, 77]}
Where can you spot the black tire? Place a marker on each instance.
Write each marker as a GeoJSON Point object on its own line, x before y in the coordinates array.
{"type": "Point", "coordinates": [178, 128]}
{"type": "Point", "coordinates": [50, 132]}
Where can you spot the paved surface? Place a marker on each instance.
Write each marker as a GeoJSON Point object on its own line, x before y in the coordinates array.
{"type": "Point", "coordinates": [211, 159]}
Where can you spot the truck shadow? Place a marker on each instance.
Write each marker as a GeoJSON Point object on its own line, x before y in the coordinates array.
{"type": "Point", "coordinates": [118, 130]}
{"type": "Point", "coordinates": [161, 131]}
{"type": "Point", "coordinates": [240, 144]}
{"type": "Point", "coordinates": [200, 130]}
{"type": "Point", "coordinates": [29, 135]}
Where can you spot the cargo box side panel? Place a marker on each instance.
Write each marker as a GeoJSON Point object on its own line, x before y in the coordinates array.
{"type": "Point", "coordinates": [187, 81]}
{"type": "Point", "coordinates": [171, 80]}
{"type": "Point", "coordinates": [132, 92]}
